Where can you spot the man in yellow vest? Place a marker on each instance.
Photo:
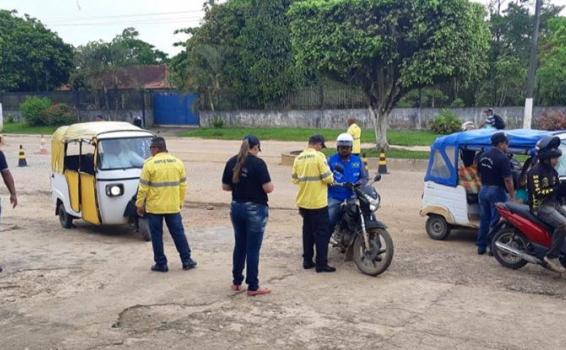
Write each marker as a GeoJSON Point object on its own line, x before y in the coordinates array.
{"type": "Point", "coordinates": [356, 132]}
{"type": "Point", "coordinates": [311, 173]}
{"type": "Point", "coordinates": [161, 194]}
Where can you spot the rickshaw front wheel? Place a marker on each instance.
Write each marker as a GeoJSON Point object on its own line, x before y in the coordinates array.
{"type": "Point", "coordinates": [65, 219]}
{"type": "Point", "coordinates": [437, 227]}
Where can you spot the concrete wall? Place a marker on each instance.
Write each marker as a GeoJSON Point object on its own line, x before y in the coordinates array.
{"type": "Point", "coordinates": [85, 116]}
{"type": "Point", "coordinates": [401, 118]}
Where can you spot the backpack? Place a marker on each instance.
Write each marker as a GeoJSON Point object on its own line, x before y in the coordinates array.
{"type": "Point", "coordinates": [498, 122]}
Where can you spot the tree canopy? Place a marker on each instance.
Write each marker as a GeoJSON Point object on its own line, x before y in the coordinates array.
{"type": "Point", "coordinates": [552, 73]}
{"type": "Point", "coordinates": [243, 51]}
{"type": "Point", "coordinates": [96, 58]}
{"type": "Point", "coordinates": [390, 47]}
{"type": "Point", "coordinates": [32, 57]}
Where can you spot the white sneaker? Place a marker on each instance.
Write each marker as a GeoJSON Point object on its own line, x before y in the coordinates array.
{"type": "Point", "coordinates": [554, 264]}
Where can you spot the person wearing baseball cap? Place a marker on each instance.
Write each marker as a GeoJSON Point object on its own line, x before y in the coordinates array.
{"type": "Point", "coordinates": [494, 167]}
{"type": "Point", "coordinates": [312, 174]}
{"type": "Point", "coordinates": [247, 177]}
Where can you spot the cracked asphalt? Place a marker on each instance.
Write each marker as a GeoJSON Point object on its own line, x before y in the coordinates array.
{"type": "Point", "coordinates": [91, 288]}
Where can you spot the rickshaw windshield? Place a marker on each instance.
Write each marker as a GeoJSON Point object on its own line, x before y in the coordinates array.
{"type": "Point", "coordinates": [125, 153]}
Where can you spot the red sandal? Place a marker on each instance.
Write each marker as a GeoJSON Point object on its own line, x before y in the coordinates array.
{"type": "Point", "coordinates": [236, 287]}
{"type": "Point", "coordinates": [260, 291]}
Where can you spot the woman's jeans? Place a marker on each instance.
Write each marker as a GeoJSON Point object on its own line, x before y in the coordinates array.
{"type": "Point", "coordinates": [489, 195]}
{"type": "Point", "coordinates": [249, 221]}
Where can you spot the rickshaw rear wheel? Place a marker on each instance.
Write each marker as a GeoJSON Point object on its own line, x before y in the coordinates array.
{"type": "Point", "coordinates": [437, 228]}
{"type": "Point", "coordinates": [65, 219]}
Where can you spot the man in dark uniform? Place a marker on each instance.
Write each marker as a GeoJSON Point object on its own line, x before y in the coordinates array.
{"type": "Point", "coordinates": [8, 181]}
{"type": "Point", "coordinates": [497, 184]}
{"type": "Point", "coordinates": [543, 185]}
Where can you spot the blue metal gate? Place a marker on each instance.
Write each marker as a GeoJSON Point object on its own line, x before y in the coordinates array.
{"type": "Point", "coordinates": [173, 108]}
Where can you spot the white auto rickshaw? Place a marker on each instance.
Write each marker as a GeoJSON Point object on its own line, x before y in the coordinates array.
{"type": "Point", "coordinates": [445, 201]}
{"type": "Point", "coordinates": [95, 173]}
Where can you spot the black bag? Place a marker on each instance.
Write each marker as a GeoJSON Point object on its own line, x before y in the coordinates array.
{"type": "Point", "coordinates": [498, 122]}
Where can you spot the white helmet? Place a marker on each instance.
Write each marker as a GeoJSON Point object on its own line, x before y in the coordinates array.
{"type": "Point", "coordinates": [345, 140]}
{"type": "Point", "coordinates": [468, 126]}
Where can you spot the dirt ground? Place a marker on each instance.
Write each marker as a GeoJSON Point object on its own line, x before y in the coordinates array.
{"type": "Point", "coordinates": [91, 287]}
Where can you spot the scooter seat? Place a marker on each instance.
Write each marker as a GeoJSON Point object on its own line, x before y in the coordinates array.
{"type": "Point", "coordinates": [525, 211]}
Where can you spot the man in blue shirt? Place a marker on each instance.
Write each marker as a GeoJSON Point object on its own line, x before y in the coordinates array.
{"type": "Point", "coordinates": [351, 170]}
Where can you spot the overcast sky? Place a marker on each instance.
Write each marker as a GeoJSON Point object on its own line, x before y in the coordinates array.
{"type": "Point", "coordinates": [81, 21]}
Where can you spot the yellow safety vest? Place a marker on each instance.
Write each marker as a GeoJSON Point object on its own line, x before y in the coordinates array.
{"type": "Point", "coordinates": [163, 184]}
{"type": "Point", "coordinates": [311, 173]}
{"type": "Point", "coordinates": [356, 133]}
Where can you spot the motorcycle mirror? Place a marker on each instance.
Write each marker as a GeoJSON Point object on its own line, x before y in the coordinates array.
{"type": "Point", "coordinates": [340, 169]}
{"type": "Point", "coordinates": [377, 178]}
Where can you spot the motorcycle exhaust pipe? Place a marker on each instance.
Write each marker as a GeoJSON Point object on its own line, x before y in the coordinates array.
{"type": "Point", "coordinates": [509, 250]}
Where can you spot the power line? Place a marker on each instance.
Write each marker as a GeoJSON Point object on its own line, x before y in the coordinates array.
{"type": "Point", "coordinates": [147, 14]}
{"type": "Point", "coordinates": [134, 22]}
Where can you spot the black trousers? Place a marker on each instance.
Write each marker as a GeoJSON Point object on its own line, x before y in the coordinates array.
{"type": "Point", "coordinates": [316, 232]}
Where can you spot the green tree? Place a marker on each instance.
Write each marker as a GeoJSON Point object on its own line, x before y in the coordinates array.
{"type": "Point", "coordinates": [32, 58]}
{"type": "Point", "coordinates": [552, 71]}
{"type": "Point", "coordinates": [98, 58]}
{"type": "Point", "coordinates": [511, 24]}
{"type": "Point", "coordinates": [390, 47]}
{"type": "Point", "coordinates": [241, 55]}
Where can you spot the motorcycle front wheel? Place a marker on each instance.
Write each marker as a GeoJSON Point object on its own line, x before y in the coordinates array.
{"type": "Point", "coordinates": [376, 258]}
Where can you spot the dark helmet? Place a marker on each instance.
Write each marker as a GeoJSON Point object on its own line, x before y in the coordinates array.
{"type": "Point", "coordinates": [548, 147]}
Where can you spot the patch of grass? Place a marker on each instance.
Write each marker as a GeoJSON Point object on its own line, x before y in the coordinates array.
{"type": "Point", "coordinates": [396, 137]}
{"type": "Point", "coordinates": [22, 128]}
{"type": "Point", "coordinates": [392, 153]}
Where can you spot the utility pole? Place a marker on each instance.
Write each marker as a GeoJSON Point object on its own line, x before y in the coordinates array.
{"type": "Point", "coordinates": [528, 117]}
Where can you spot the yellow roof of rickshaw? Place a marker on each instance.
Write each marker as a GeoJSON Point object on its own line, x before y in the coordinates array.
{"type": "Point", "coordinates": [87, 131]}
{"type": "Point", "coordinates": [83, 131]}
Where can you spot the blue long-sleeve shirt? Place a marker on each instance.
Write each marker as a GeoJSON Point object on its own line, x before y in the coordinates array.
{"type": "Point", "coordinates": [353, 172]}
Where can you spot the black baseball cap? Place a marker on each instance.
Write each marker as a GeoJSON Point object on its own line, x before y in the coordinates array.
{"type": "Point", "coordinates": [252, 141]}
{"type": "Point", "coordinates": [499, 137]}
{"type": "Point", "coordinates": [316, 139]}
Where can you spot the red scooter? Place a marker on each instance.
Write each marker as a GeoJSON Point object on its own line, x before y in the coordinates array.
{"type": "Point", "coordinates": [520, 237]}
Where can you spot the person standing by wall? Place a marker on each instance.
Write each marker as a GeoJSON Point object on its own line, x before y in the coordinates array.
{"type": "Point", "coordinates": [497, 185]}
{"type": "Point", "coordinates": [9, 182]}
{"type": "Point", "coordinates": [247, 177]}
{"type": "Point", "coordinates": [356, 132]}
{"type": "Point", "coordinates": [492, 121]}
{"type": "Point", "coordinates": [161, 194]}
{"type": "Point", "coordinates": [312, 174]}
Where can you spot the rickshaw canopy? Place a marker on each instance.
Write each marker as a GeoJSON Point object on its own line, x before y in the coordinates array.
{"type": "Point", "coordinates": [445, 150]}
{"type": "Point", "coordinates": [82, 131]}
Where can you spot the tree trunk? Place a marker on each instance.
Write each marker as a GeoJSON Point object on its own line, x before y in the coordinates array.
{"type": "Point", "coordinates": [380, 127]}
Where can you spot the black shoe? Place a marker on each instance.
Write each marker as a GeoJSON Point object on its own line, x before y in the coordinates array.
{"type": "Point", "coordinates": [307, 265]}
{"type": "Point", "coordinates": [326, 268]}
{"type": "Point", "coordinates": [482, 250]}
{"type": "Point", "coordinates": [159, 268]}
{"type": "Point", "coordinates": [0, 268]}
{"type": "Point", "coordinates": [189, 264]}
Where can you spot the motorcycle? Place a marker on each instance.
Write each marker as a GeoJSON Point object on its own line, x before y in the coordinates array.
{"type": "Point", "coordinates": [521, 238]}
{"type": "Point", "coordinates": [359, 234]}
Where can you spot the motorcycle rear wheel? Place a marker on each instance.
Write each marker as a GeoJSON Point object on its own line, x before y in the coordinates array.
{"type": "Point", "coordinates": [377, 259]}
{"type": "Point", "coordinates": [514, 239]}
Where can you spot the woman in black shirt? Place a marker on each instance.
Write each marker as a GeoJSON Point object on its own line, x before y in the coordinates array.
{"type": "Point", "coordinates": [247, 177]}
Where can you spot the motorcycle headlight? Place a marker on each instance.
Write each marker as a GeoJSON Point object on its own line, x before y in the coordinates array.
{"type": "Point", "coordinates": [373, 203]}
